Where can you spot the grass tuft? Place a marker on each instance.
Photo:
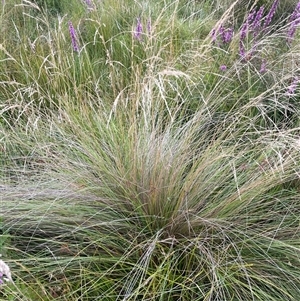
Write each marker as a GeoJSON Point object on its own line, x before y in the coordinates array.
{"type": "Point", "coordinates": [158, 160]}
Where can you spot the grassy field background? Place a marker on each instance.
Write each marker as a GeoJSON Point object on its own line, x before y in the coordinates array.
{"type": "Point", "coordinates": [149, 150]}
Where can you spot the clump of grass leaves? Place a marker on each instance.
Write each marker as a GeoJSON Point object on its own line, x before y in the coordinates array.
{"type": "Point", "coordinates": [155, 183]}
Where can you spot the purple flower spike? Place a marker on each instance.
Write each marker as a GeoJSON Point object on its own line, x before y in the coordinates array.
{"type": "Point", "coordinates": [294, 23]}
{"type": "Point", "coordinates": [295, 14]}
{"type": "Point", "coordinates": [244, 31]}
{"type": "Point", "coordinates": [292, 88]}
{"type": "Point", "coordinates": [221, 32]}
{"type": "Point", "coordinates": [138, 30]}
{"type": "Point", "coordinates": [255, 26]}
{"type": "Point", "coordinates": [73, 37]}
{"type": "Point", "coordinates": [263, 66]}
{"type": "Point", "coordinates": [247, 24]}
{"type": "Point", "coordinates": [227, 35]}
{"type": "Point", "coordinates": [271, 13]}
{"type": "Point", "coordinates": [242, 50]}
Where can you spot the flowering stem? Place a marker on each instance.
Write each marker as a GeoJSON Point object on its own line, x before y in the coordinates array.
{"type": "Point", "coordinates": [73, 37]}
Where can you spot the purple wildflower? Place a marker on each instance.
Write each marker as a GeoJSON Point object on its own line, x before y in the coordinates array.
{"type": "Point", "coordinates": [223, 68]}
{"type": "Point", "coordinates": [244, 31]}
{"type": "Point", "coordinates": [138, 30]}
{"type": "Point", "coordinates": [294, 23]}
{"type": "Point", "coordinates": [73, 37]}
{"type": "Point", "coordinates": [295, 14]}
{"type": "Point", "coordinates": [227, 35]}
{"type": "Point", "coordinates": [252, 24]}
{"type": "Point", "coordinates": [251, 16]}
{"type": "Point", "coordinates": [221, 32]}
{"type": "Point", "coordinates": [250, 19]}
{"type": "Point", "coordinates": [271, 13]}
{"type": "Point", "coordinates": [246, 25]}
{"type": "Point", "coordinates": [89, 4]}
{"type": "Point", "coordinates": [1, 279]}
{"type": "Point", "coordinates": [255, 26]}
{"type": "Point", "coordinates": [263, 66]}
{"type": "Point", "coordinates": [292, 87]}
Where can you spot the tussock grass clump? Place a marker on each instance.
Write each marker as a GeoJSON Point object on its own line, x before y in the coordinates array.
{"type": "Point", "coordinates": [151, 161]}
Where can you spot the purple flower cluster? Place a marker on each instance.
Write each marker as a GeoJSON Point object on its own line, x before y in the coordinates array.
{"type": "Point", "coordinates": [263, 66]}
{"type": "Point", "coordinates": [271, 14]}
{"type": "Point", "coordinates": [247, 25]}
{"type": "Point", "coordinates": [256, 24]}
{"type": "Point", "coordinates": [292, 87]}
{"type": "Point", "coordinates": [253, 25]}
{"type": "Point", "coordinates": [138, 31]}
{"type": "Point", "coordinates": [1, 279]}
{"type": "Point", "coordinates": [223, 68]}
{"type": "Point", "coordinates": [294, 22]}
{"type": "Point", "coordinates": [225, 34]}
{"type": "Point", "coordinates": [73, 36]}
{"type": "Point", "coordinates": [89, 4]}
